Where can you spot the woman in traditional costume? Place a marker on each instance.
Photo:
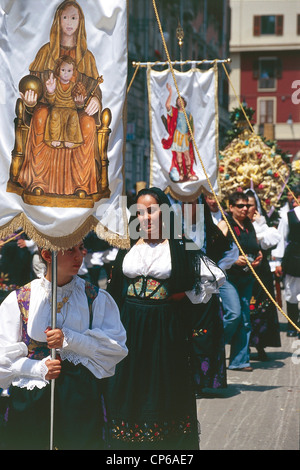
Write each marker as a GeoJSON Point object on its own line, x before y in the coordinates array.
{"type": "Point", "coordinates": [208, 357]}
{"type": "Point", "coordinates": [63, 171]}
{"type": "Point", "coordinates": [89, 339]}
{"type": "Point", "coordinates": [151, 402]}
{"type": "Point", "coordinates": [263, 313]}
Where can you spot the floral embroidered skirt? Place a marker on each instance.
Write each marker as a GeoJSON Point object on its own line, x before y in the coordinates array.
{"type": "Point", "coordinates": [263, 313]}
{"type": "Point", "coordinates": [208, 346]}
{"type": "Point", "coordinates": [150, 400]}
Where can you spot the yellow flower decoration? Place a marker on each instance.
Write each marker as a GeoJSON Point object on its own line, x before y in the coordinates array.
{"type": "Point", "coordinates": [248, 162]}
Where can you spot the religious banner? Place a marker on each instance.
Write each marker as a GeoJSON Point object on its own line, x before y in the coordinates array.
{"type": "Point", "coordinates": [175, 165]}
{"type": "Point", "coordinates": [62, 93]}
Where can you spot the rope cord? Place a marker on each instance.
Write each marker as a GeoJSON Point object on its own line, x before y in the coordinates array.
{"type": "Point", "coordinates": [12, 238]}
{"type": "Point", "coordinates": [205, 173]}
{"type": "Point", "coordinates": [133, 77]}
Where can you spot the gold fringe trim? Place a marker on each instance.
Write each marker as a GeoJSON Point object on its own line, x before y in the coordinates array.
{"type": "Point", "coordinates": [111, 237]}
{"type": "Point", "coordinates": [65, 242]}
{"type": "Point", "coordinates": [189, 198]}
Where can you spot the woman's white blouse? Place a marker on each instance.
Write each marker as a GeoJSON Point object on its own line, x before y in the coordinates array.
{"type": "Point", "coordinates": [148, 259]}
{"type": "Point", "coordinates": [291, 283]}
{"type": "Point", "coordinates": [154, 260]}
{"type": "Point", "coordinates": [99, 349]}
{"type": "Point", "coordinates": [267, 237]}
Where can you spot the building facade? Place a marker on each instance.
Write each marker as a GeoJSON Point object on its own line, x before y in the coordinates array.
{"type": "Point", "coordinates": [205, 24]}
{"type": "Point", "coordinates": [265, 69]}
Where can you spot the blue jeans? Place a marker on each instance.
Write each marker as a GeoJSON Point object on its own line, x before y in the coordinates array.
{"type": "Point", "coordinates": [236, 294]}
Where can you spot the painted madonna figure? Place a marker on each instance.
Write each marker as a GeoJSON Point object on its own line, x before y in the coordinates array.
{"type": "Point", "coordinates": [63, 171]}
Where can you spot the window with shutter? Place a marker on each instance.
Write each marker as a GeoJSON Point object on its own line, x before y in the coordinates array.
{"type": "Point", "coordinates": [268, 24]}
{"type": "Point", "coordinates": [279, 25]}
{"type": "Point", "coordinates": [267, 73]}
{"type": "Point", "coordinates": [298, 25]}
{"type": "Point", "coordinates": [266, 110]}
{"type": "Point", "coordinates": [256, 25]}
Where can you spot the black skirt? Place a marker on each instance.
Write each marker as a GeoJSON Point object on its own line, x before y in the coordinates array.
{"type": "Point", "coordinates": [79, 414]}
{"type": "Point", "coordinates": [150, 400]}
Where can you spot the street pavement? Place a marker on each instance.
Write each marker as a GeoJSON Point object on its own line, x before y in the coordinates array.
{"type": "Point", "coordinates": [258, 410]}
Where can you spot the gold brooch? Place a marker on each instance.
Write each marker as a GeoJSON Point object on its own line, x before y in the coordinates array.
{"type": "Point", "coordinates": [61, 304]}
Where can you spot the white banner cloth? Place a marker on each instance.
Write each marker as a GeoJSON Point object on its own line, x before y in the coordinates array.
{"type": "Point", "coordinates": [25, 27]}
{"type": "Point", "coordinates": [175, 165]}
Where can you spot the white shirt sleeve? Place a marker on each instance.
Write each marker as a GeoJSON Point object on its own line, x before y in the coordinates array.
{"type": "Point", "coordinates": [31, 245]}
{"type": "Point", "coordinates": [102, 347]}
{"type": "Point", "coordinates": [267, 237]}
{"type": "Point", "coordinates": [283, 228]}
{"type": "Point", "coordinates": [212, 277]}
{"type": "Point", "coordinates": [99, 349]}
{"type": "Point", "coordinates": [229, 258]}
{"type": "Point", "coordinates": [15, 367]}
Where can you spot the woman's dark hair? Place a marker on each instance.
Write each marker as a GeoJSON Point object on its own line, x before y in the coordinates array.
{"type": "Point", "coordinates": [158, 194]}
{"type": "Point", "coordinates": [251, 193]}
{"type": "Point", "coordinates": [237, 196]}
{"type": "Point", "coordinates": [162, 199]}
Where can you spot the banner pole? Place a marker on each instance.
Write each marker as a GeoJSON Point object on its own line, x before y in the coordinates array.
{"type": "Point", "coordinates": [180, 62]}
{"type": "Point", "coordinates": [53, 326]}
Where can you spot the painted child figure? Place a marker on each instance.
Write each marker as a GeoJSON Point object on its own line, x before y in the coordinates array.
{"type": "Point", "coordinates": [90, 340]}
{"type": "Point", "coordinates": [62, 126]}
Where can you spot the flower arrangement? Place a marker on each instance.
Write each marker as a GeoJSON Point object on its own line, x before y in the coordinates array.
{"type": "Point", "coordinates": [249, 162]}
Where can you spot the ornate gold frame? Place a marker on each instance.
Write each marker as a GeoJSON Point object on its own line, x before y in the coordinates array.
{"type": "Point", "coordinates": [53, 200]}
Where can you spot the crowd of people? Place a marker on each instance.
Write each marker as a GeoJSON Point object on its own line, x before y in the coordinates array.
{"type": "Point", "coordinates": [133, 355]}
